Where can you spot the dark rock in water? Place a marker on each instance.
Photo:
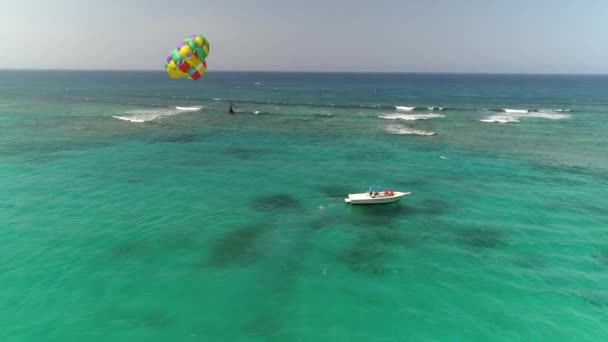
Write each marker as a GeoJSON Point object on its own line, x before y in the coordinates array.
{"type": "Point", "coordinates": [276, 202]}
{"type": "Point", "coordinates": [482, 239]}
{"type": "Point", "coordinates": [237, 247]}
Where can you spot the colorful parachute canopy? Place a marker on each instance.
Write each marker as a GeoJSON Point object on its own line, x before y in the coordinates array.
{"type": "Point", "coordinates": [188, 59]}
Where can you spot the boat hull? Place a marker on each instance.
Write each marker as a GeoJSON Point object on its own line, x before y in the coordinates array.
{"type": "Point", "coordinates": [365, 198]}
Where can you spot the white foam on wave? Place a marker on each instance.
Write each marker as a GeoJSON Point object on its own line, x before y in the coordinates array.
{"type": "Point", "coordinates": [146, 115]}
{"type": "Point", "coordinates": [189, 109]}
{"type": "Point", "coordinates": [547, 115]}
{"type": "Point", "coordinates": [404, 130]}
{"type": "Point", "coordinates": [434, 108]}
{"type": "Point", "coordinates": [132, 119]}
{"type": "Point", "coordinates": [500, 119]}
{"type": "Point", "coordinates": [404, 108]}
{"type": "Point", "coordinates": [411, 117]}
{"type": "Point", "coordinates": [515, 115]}
{"type": "Point", "coordinates": [515, 111]}
{"type": "Point", "coordinates": [256, 112]}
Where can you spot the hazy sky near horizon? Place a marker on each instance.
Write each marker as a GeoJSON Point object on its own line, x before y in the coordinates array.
{"type": "Point", "coordinates": [533, 36]}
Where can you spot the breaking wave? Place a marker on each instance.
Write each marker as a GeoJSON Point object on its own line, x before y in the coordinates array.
{"type": "Point", "coordinates": [500, 119]}
{"type": "Point", "coordinates": [515, 111]}
{"type": "Point", "coordinates": [526, 111]}
{"type": "Point", "coordinates": [189, 109]}
{"type": "Point", "coordinates": [547, 115]}
{"type": "Point", "coordinates": [146, 115]}
{"type": "Point", "coordinates": [411, 117]}
{"type": "Point", "coordinates": [417, 109]}
{"type": "Point", "coordinates": [404, 109]}
{"type": "Point", "coordinates": [514, 115]}
{"type": "Point", "coordinates": [404, 130]}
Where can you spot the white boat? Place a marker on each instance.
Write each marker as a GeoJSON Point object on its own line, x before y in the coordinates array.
{"type": "Point", "coordinates": [374, 197]}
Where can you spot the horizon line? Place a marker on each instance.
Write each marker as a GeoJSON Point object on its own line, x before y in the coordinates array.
{"type": "Point", "coordinates": [329, 72]}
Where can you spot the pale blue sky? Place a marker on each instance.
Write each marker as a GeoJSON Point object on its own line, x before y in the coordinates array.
{"type": "Point", "coordinates": [533, 36]}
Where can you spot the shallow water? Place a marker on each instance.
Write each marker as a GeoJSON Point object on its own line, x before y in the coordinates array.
{"type": "Point", "coordinates": [199, 225]}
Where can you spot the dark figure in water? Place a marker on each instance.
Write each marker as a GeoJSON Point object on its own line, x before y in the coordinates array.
{"type": "Point", "coordinates": [231, 109]}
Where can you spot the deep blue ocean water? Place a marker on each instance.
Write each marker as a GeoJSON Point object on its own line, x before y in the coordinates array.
{"type": "Point", "coordinates": [126, 219]}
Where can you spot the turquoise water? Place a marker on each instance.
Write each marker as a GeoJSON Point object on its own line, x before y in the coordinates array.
{"type": "Point", "coordinates": [125, 219]}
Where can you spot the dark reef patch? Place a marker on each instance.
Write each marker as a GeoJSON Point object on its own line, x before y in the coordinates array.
{"type": "Point", "coordinates": [363, 255]}
{"type": "Point", "coordinates": [482, 238]}
{"type": "Point", "coordinates": [373, 248]}
{"type": "Point", "coordinates": [267, 325]}
{"type": "Point", "coordinates": [276, 202]}
{"type": "Point", "coordinates": [373, 215]}
{"type": "Point", "coordinates": [237, 247]}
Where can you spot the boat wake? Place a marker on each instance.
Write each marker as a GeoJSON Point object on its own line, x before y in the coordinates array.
{"type": "Point", "coordinates": [411, 117]}
{"type": "Point", "coordinates": [404, 130]}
